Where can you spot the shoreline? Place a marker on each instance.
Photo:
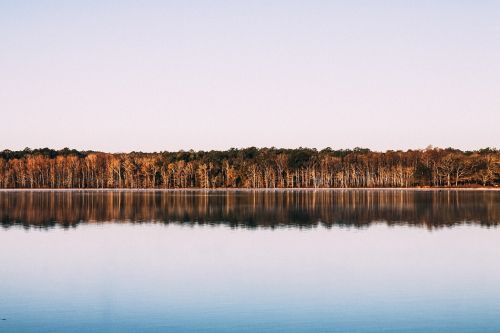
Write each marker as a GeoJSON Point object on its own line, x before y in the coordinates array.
{"type": "Point", "coordinates": [305, 189]}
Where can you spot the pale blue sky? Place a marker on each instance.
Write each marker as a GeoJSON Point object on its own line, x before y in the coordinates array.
{"type": "Point", "coordinates": [168, 75]}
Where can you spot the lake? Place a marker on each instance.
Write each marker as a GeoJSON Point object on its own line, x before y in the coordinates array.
{"type": "Point", "coordinates": [250, 261]}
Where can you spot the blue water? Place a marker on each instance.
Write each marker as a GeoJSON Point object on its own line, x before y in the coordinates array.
{"type": "Point", "coordinates": [154, 277]}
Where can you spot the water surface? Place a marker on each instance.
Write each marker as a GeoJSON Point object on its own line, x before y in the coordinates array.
{"type": "Point", "coordinates": [250, 261]}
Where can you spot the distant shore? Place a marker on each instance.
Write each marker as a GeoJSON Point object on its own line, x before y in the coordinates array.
{"type": "Point", "coordinates": [250, 168]}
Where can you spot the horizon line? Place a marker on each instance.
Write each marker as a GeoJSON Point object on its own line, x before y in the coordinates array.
{"type": "Point", "coordinates": [328, 148]}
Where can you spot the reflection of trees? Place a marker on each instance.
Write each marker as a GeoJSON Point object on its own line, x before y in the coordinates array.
{"type": "Point", "coordinates": [356, 208]}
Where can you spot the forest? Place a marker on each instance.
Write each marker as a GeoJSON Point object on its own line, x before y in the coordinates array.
{"type": "Point", "coordinates": [250, 168]}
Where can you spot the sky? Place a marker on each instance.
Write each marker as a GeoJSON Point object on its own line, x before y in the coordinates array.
{"type": "Point", "coordinates": [124, 76]}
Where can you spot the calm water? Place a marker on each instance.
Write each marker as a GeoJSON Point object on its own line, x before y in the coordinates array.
{"type": "Point", "coordinates": [290, 261]}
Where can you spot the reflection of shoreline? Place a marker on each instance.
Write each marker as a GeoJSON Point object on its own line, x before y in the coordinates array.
{"type": "Point", "coordinates": [242, 189]}
{"type": "Point", "coordinates": [296, 208]}
{"type": "Point", "coordinates": [231, 225]}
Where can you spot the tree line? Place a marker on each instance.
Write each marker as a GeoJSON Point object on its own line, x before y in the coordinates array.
{"type": "Point", "coordinates": [250, 168]}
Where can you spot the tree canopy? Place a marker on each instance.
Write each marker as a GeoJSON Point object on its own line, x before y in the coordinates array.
{"type": "Point", "coordinates": [249, 168]}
